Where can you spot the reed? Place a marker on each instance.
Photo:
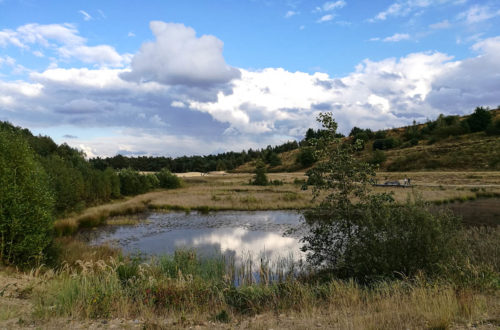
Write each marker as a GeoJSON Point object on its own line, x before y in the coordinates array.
{"type": "Point", "coordinates": [188, 288]}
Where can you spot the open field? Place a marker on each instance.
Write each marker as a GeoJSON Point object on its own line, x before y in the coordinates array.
{"type": "Point", "coordinates": [98, 288]}
{"type": "Point", "coordinates": [222, 191]}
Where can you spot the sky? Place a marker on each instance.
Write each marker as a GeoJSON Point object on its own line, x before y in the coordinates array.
{"type": "Point", "coordinates": [173, 78]}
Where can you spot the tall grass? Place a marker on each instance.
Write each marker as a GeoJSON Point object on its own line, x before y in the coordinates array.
{"type": "Point", "coordinates": [97, 216]}
{"type": "Point", "coordinates": [186, 287]}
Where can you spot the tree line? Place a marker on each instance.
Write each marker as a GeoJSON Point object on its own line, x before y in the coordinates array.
{"type": "Point", "coordinates": [221, 162]}
{"type": "Point", "coordinates": [74, 182]}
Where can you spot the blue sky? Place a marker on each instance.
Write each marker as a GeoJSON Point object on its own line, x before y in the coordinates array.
{"type": "Point", "coordinates": [198, 77]}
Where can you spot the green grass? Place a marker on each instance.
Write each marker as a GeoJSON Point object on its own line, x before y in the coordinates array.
{"type": "Point", "coordinates": [219, 288]}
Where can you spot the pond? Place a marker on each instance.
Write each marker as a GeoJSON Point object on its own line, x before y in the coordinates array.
{"type": "Point", "coordinates": [242, 234]}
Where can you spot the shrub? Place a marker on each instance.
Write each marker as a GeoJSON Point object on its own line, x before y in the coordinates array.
{"type": "Point", "coordinates": [479, 120]}
{"type": "Point", "coordinates": [494, 128]}
{"type": "Point", "coordinates": [380, 134]}
{"type": "Point", "coordinates": [168, 180]}
{"type": "Point", "coordinates": [384, 144]}
{"type": "Point", "coordinates": [306, 157]}
{"type": "Point", "coordinates": [354, 233]}
{"type": "Point", "coordinates": [378, 157]}
{"type": "Point", "coordinates": [260, 177]}
{"type": "Point", "coordinates": [130, 182]}
{"type": "Point", "coordinates": [26, 221]}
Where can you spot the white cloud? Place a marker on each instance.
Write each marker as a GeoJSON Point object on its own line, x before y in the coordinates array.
{"type": "Point", "coordinates": [440, 25]}
{"type": "Point", "coordinates": [131, 34]}
{"type": "Point", "coordinates": [477, 14]}
{"type": "Point", "coordinates": [261, 107]}
{"type": "Point", "coordinates": [290, 13]}
{"type": "Point", "coordinates": [103, 54]}
{"type": "Point", "coordinates": [7, 60]}
{"type": "Point", "coordinates": [325, 18]}
{"type": "Point", "coordinates": [177, 104]}
{"type": "Point", "coordinates": [404, 8]}
{"type": "Point", "coordinates": [179, 57]}
{"type": "Point", "coordinates": [63, 39]}
{"type": "Point", "coordinates": [397, 37]}
{"type": "Point", "coordinates": [330, 6]}
{"type": "Point", "coordinates": [86, 16]}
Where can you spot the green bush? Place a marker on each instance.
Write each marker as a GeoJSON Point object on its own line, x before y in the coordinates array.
{"type": "Point", "coordinates": [26, 204]}
{"type": "Point", "coordinates": [378, 157]}
{"type": "Point", "coordinates": [306, 157]}
{"type": "Point", "coordinates": [384, 144]}
{"type": "Point", "coordinates": [260, 177]}
{"type": "Point", "coordinates": [130, 182]}
{"type": "Point", "coordinates": [479, 120]}
{"type": "Point", "coordinates": [494, 128]}
{"type": "Point", "coordinates": [168, 180]}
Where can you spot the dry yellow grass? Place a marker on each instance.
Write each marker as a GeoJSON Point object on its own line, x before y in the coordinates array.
{"type": "Point", "coordinates": [221, 191]}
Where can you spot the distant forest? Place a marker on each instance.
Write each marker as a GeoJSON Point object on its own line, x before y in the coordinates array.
{"type": "Point", "coordinates": [221, 162]}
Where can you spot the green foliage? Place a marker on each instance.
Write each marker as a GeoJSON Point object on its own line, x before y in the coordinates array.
{"type": "Point", "coordinates": [273, 159]}
{"type": "Point", "coordinates": [494, 128]}
{"type": "Point", "coordinates": [66, 183]}
{"type": "Point", "coordinates": [384, 144]}
{"type": "Point", "coordinates": [380, 134]}
{"type": "Point", "coordinates": [260, 177]}
{"type": "Point", "coordinates": [355, 233]}
{"type": "Point", "coordinates": [131, 182]}
{"type": "Point", "coordinates": [378, 157]}
{"type": "Point", "coordinates": [479, 120]}
{"type": "Point", "coordinates": [306, 156]}
{"type": "Point", "coordinates": [26, 221]}
{"type": "Point", "coordinates": [168, 180]}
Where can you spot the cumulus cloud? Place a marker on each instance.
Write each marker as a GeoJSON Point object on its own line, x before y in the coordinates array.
{"type": "Point", "coordinates": [179, 57]}
{"type": "Point", "coordinates": [261, 107]}
{"type": "Point", "coordinates": [63, 39]}
{"type": "Point", "coordinates": [470, 82]}
{"type": "Point", "coordinates": [93, 54]}
{"type": "Point", "coordinates": [290, 13]}
{"type": "Point", "coordinates": [377, 93]}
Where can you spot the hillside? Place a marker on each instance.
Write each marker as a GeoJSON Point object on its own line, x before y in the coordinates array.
{"type": "Point", "coordinates": [443, 144]}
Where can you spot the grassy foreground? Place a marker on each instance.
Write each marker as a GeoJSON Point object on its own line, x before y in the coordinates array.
{"type": "Point", "coordinates": [97, 287]}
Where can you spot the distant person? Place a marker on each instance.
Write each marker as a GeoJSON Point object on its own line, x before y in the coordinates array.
{"type": "Point", "coordinates": [409, 181]}
{"type": "Point", "coordinates": [405, 182]}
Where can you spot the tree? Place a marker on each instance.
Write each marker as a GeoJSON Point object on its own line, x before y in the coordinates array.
{"type": "Point", "coordinates": [26, 221]}
{"type": "Point", "coordinates": [260, 178]}
{"type": "Point", "coordinates": [479, 120]}
{"type": "Point", "coordinates": [306, 156]}
{"type": "Point", "coordinates": [355, 233]}
{"type": "Point", "coordinates": [168, 180]}
{"type": "Point", "coordinates": [378, 157]}
{"type": "Point", "coordinates": [66, 182]}
{"type": "Point", "coordinates": [274, 159]}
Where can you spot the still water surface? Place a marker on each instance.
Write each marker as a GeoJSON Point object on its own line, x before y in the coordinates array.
{"type": "Point", "coordinates": [237, 233]}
